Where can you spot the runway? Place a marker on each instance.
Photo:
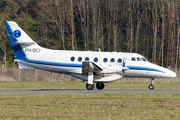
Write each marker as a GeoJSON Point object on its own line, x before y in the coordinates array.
{"type": "Point", "coordinates": [75, 91]}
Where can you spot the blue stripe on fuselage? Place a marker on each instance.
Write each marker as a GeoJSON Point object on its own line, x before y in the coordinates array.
{"type": "Point", "coordinates": [51, 63]}
{"type": "Point", "coordinates": [143, 68]}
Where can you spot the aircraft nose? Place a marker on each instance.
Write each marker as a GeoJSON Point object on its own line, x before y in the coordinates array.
{"type": "Point", "coordinates": [172, 74]}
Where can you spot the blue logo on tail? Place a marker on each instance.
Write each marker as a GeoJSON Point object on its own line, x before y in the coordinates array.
{"type": "Point", "coordinates": [17, 34]}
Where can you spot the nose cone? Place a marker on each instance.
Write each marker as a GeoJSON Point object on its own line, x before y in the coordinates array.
{"type": "Point", "coordinates": [172, 74]}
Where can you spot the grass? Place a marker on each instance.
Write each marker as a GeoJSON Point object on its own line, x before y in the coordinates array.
{"type": "Point", "coordinates": [79, 85]}
{"type": "Point", "coordinates": [90, 106]}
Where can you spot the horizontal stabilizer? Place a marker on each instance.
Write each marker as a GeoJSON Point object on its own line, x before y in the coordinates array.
{"type": "Point", "coordinates": [23, 43]}
{"type": "Point", "coordinates": [22, 66]}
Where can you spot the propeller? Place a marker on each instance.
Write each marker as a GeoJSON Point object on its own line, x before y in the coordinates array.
{"type": "Point", "coordinates": [124, 62]}
{"type": "Point", "coordinates": [124, 68]}
{"type": "Point", "coordinates": [123, 65]}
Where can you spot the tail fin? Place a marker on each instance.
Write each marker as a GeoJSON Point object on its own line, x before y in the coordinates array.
{"type": "Point", "coordinates": [19, 39]}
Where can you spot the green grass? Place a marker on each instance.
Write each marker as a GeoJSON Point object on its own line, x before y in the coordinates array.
{"type": "Point", "coordinates": [90, 106]}
{"type": "Point", "coordinates": [80, 85]}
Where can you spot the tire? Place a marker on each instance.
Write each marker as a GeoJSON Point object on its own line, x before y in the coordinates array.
{"type": "Point", "coordinates": [100, 86]}
{"type": "Point", "coordinates": [151, 87]}
{"type": "Point", "coordinates": [89, 86]}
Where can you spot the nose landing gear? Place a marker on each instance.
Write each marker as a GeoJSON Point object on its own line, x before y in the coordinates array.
{"type": "Point", "coordinates": [152, 86]}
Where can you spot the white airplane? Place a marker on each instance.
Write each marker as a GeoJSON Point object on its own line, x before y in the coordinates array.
{"type": "Point", "coordinates": [94, 67]}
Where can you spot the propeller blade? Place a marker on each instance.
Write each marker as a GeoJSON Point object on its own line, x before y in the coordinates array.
{"type": "Point", "coordinates": [124, 68]}
{"type": "Point", "coordinates": [124, 62]}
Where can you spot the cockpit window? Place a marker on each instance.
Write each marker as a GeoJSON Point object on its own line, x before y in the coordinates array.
{"type": "Point", "coordinates": [143, 59]}
{"type": "Point", "coordinates": [133, 59]}
{"type": "Point", "coordinates": [138, 59]}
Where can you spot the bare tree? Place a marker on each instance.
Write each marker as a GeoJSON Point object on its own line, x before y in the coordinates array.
{"type": "Point", "coordinates": [162, 12]}
{"type": "Point", "coordinates": [131, 26]}
{"type": "Point", "coordinates": [109, 22]}
{"type": "Point", "coordinates": [172, 33]}
{"type": "Point", "coordinates": [138, 24]}
{"type": "Point", "coordinates": [53, 11]}
{"type": "Point", "coordinates": [82, 9]}
{"type": "Point", "coordinates": [154, 12]}
{"type": "Point", "coordinates": [115, 21]}
{"type": "Point", "coordinates": [3, 41]}
{"type": "Point", "coordinates": [178, 27]}
{"type": "Point", "coordinates": [94, 22]}
{"type": "Point", "coordinates": [72, 26]}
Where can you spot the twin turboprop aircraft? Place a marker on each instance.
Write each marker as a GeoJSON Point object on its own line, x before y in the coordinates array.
{"type": "Point", "coordinates": [94, 67]}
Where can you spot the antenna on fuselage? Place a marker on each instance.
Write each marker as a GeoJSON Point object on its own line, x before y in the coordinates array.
{"type": "Point", "coordinates": [169, 67]}
{"type": "Point", "coordinates": [99, 49]}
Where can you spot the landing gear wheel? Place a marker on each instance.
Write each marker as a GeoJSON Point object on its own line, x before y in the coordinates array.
{"type": "Point", "coordinates": [100, 86]}
{"type": "Point", "coordinates": [90, 86]}
{"type": "Point", "coordinates": [151, 86]}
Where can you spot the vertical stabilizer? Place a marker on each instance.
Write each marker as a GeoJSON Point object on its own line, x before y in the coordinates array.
{"type": "Point", "coordinates": [19, 39]}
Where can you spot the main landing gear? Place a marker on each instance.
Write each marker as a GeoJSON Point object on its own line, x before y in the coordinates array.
{"type": "Point", "coordinates": [90, 84]}
{"type": "Point", "coordinates": [99, 86]}
{"type": "Point", "coordinates": [152, 86]}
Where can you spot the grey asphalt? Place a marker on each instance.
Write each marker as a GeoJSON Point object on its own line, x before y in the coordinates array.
{"type": "Point", "coordinates": [75, 91]}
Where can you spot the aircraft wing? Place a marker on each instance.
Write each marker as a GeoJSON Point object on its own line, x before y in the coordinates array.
{"type": "Point", "coordinates": [88, 66]}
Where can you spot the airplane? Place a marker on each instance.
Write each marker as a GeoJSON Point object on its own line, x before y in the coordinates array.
{"type": "Point", "coordinates": [91, 66]}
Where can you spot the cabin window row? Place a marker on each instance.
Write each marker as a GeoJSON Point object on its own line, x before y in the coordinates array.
{"type": "Point", "coordinates": [138, 59]}
{"type": "Point", "coordinates": [96, 59]}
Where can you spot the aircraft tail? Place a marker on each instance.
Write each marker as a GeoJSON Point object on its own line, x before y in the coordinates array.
{"type": "Point", "coordinates": [21, 43]}
{"type": "Point", "coordinates": [19, 39]}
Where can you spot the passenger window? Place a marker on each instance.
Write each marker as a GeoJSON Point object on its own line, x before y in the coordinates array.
{"type": "Point", "coordinates": [105, 60]}
{"type": "Point", "coordinates": [86, 59]}
{"type": "Point", "coordinates": [119, 60]}
{"type": "Point", "coordinates": [138, 59]}
{"type": "Point", "coordinates": [133, 59]}
{"type": "Point", "coordinates": [72, 59]}
{"type": "Point", "coordinates": [96, 59]}
{"type": "Point", "coordinates": [80, 59]}
{"type": "Point", "coordinates": [112, 60]}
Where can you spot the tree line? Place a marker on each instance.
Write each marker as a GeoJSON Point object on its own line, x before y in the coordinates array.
{"type": "Point", "coordinates": [147, 27]}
